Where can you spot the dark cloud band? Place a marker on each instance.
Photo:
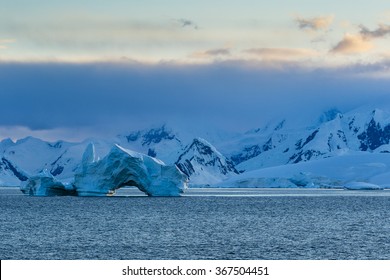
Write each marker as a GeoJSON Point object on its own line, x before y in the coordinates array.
{"type": "Point", "coordinates": [236, 93]}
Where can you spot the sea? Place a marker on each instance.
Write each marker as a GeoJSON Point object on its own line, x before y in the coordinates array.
{"type": "Point", "coordinates": [268, 224]}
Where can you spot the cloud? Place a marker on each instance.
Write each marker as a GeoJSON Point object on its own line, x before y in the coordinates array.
{"type": "Point", "coordinates": [281, 53]}
{"type": "Point", "coordinates": [187, 23]}
{"type": "Point", "coordinates": [232, 94]}
{"type": "Point", "coordinates": [4, 43]}
{"type": "Point", "coordinates": [361, 42]}
{"type": "Point", "coordinates": [352, 44]}
{"type": "Point", "coordinates": [380, 32]}
{"type": "Point", "coordinates": [219, 52]}
{"type": "Point", "coordinates": [51, 134]}
{"type": "Point", "coordinates": [216, 52]}
{"type": "Point", "coordinates": [89, 35]}
{"type": "Point", "coordinates": [315, 23]}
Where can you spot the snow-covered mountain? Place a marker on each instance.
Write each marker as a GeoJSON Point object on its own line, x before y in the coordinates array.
{"type": "Point", "coordinates": [333, 135]}
{"type": "Point", "coordinates": [160, 142]}
{"type": "Point", "coordinates": [30, 156]}
{"type": "Point", "coordinates": [209, 157]}
{"type": "Point", "coordinates": [352, 168]}
{"type": "Point", "coordinates": [201, 162]}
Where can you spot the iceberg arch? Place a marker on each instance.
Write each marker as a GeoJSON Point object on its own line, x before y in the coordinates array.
{"type": "Point", "coordinates": [119, 168]}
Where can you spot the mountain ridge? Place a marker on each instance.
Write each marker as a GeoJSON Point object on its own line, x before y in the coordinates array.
{"type": "Point", "coordinates": [221, 156]}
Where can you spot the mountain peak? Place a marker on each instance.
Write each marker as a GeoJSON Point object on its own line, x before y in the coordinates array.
{"type": "Point", "coordinates": [330, 115]}
{"type": "Point", "coordinates": [202, 162]}
{"type": "Point", "coordinates": [156, 135]}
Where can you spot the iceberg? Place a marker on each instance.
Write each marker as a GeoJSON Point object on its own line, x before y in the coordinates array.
{"type": "Point", "coordinates": [362, 186]}
{"type": "Point", "coordinates": [119, 168]}
{"type": "Point", "coordinates": [122, 167]}
{"type": "Point", "coordinates": [44, 184]}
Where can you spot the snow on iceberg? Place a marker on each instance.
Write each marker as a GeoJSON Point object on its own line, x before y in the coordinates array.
{"type": "Point", "coordinates": [122, 167]}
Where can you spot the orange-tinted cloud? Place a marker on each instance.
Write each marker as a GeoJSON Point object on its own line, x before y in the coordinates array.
{"type": "Point", "coordinates": [361, 42]}
{"type": "Point", "coordinates": [281, 53]}
{"type": "Point", "coordinates": [352, 44]}
{"type": "Point", "coordinates": [315, 23]}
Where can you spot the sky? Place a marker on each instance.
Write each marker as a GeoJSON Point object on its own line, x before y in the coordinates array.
{"type": "Point", "coordinates": [73, 69]}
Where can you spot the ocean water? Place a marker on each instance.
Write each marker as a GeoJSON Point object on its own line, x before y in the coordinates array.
{"type": "Point", "coordinates": [204, 224]}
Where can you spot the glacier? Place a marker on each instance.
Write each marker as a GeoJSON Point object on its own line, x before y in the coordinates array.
{"type": "Point", "coordinates": [352, 170]}
{"type": "Point", "coordinates": [120, 167]}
